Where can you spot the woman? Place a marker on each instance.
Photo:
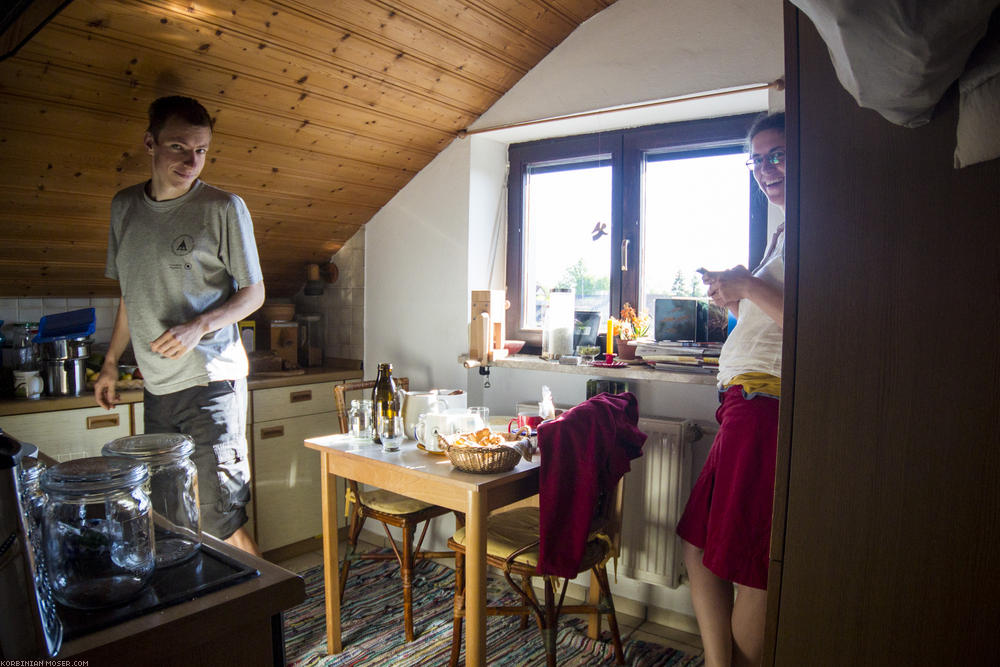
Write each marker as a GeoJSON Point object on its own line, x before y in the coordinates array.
{"type": "Point", "coordinates": [726, 526]}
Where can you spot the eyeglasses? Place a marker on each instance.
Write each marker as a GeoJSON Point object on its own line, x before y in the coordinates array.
{"type": "Point", "coordinates": [776, 157]}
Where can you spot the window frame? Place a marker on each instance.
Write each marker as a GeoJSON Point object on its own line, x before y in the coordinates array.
{"type": "Point", "coordinates": [625, 149]}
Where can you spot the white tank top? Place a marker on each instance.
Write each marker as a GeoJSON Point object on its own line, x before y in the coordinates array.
{"type": "Point", "coordinates": [754, 345]}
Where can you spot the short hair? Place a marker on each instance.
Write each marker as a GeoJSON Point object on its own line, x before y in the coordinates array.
{"type": "Point", "coordinates": [766, 121]}
{"type": "Point", "coordinates": [187, 109]}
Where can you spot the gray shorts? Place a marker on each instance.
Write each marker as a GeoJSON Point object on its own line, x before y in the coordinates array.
{"type": "Point", "coordinates": [214, 416]}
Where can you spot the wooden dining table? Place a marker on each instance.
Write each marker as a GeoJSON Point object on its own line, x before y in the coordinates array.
{"type": "Point", "coordinates": [431, 478]}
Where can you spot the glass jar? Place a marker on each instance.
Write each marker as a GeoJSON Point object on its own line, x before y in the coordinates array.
{"type": "Point", "coordinates": [359, 419]}
{"type": "Point", "coordinates": [98, 531]}
{"type": "Point", "coordinates": [557, 331]}
{"type": "Point", "coordinates": [25, 358]}
{"type": "Point", "coordinates": [173, 490]}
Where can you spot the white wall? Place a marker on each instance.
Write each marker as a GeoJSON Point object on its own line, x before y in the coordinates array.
{"type": "Point", "coordinates": [430, 245]}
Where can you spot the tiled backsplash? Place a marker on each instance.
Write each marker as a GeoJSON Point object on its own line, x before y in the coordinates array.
{"type": "Point", "coordinates": [343, 302]}
{"type": "Point", "coordinates": [26, 309]}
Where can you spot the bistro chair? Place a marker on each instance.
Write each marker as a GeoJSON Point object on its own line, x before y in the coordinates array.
{"type": "Point", "coordinates": [512, 546]}
{"type": "Point", "coordinates": [390, 509]}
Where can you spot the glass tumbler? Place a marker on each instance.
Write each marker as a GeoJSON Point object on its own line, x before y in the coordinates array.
{"type": "Point", "coordinates": [390, 431]}
{"type": "Point", "coordinates": [97, 528]}
{"type": "Point", "coordinates": [359, 418]}
{"type": "Point", "coordinates": [173, 490]}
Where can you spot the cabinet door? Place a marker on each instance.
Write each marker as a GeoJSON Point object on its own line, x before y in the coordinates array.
{"type": "Point", "coordinates": [294, 401]}
{"type": "Point", "coordinates": [70, 434]}
{"type": "Point", "coordinates": [288, 503]}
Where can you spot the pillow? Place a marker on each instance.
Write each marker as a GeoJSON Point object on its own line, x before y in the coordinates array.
{"type": "Point", "coordinates": [898, 57]}
{"type": "Point", "coordinates": [978, 136]}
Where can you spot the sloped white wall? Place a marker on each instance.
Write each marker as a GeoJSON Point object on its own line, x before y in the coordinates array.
{"type": "Point", "coordinates": [429, 246]}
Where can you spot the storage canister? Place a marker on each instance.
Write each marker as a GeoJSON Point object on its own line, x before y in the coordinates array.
{"type": "Point", "coordinates": [173, 490]}
{"type": "Point", "coordinates": [98, 530]}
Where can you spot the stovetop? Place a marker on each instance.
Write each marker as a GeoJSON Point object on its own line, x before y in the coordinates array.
{"type": "Point", "coordinates": [207, 571]}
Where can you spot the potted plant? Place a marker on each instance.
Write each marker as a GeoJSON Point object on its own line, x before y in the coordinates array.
{"type": "Point", "coordinates": [631, 327]}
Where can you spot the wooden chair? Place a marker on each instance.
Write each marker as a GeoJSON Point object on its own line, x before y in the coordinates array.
{"type": "Point", "coordinates": [390, 509]}
{"type": "Point", "coordinates": [512, 546]}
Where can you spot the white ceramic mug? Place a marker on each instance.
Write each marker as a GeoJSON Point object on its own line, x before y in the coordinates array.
{"type": "Point", "coordinates": [430, 426]}
{"type": "Point", "coordinates": [28, 384]}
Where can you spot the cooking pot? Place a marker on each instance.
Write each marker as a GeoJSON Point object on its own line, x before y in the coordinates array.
{"type": "Point", "coordinates": [64, 377]}
{"type": "Point", "coordinates": [65, 348]}
{"type": "Point", "coordinates": [416, 403]}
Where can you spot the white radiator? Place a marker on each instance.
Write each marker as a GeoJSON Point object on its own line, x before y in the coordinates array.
{"type": "Point", "coordinates": [656, 490]}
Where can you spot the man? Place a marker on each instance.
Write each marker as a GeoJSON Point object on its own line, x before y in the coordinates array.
{"type": "Point", "coordinates": [184, 255]}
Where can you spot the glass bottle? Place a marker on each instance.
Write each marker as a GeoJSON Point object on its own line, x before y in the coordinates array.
{"type": "Point", "coordinates": [385, 403]}
{"type": "Point", "coordinates": [25, 358]}
{"type": "Point", "coordinates": [98, 530]}
{"type": "Point", "coordinates": [173, 490]}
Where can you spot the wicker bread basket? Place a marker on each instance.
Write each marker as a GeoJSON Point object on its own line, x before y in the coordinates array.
{"type": "Point", "coordinates": [486, 459]}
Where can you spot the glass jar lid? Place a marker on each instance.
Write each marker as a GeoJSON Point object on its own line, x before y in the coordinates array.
{"type": "Point", "coordinates": [96, 474]}
{"type": "Point", "coordinates": [151, 447]}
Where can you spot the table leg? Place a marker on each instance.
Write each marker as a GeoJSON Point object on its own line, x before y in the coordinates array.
{"type": "Point", "coordinates": [475, 581]}
{"type": "Point", "coordinates": [331, 557]}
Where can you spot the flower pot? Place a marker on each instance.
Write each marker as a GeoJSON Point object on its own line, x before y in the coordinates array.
{"type": "Point", "coordinates": [625, 351]}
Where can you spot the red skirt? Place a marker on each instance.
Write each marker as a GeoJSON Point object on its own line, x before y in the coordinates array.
{"type": "Point", "coordinates": [729, 511]}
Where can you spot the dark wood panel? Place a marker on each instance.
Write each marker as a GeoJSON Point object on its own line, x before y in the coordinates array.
{"type": "Point", "coordinates": [891, 546]}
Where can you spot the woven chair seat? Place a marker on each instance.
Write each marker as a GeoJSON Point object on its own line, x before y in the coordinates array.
{"type": "Point", "coordinates": [506, 532]}
{"type": "Point", "coordinates": [391, 503]}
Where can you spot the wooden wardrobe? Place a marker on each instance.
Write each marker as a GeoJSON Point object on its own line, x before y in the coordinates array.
{"type": "Point", "coordinates": [886, 538]}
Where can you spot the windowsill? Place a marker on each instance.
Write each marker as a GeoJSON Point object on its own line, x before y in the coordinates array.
{"type": "Point", "coordinates": [530, 362]}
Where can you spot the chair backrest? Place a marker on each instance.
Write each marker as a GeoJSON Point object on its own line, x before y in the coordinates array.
{"type": "Point", "coordinates": [341, 390]}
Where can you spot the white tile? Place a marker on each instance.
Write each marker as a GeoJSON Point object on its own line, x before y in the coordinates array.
{"type": "Point", "coordinates": [53, 305]}
{"type": "Point", "coordinates": [358, 316]}
{"type": "Point", "coordinates": [104, 301]}
{"type": "Point", "coordinates": [105, 316]}
{"type": "Point", "coordinates": [8, 310]}
{"type": "Point", "coordinates": [76, 304]}
{"type": "Point", "coordinates": [102, 335]}
{"type": "Point", "coordinates": [29, 310]}
{"type": "Point", "coordinates": [344, 334]}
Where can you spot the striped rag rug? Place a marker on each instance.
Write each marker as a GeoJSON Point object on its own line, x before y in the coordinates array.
{"type": "Point", "coordinates": [372, 626]}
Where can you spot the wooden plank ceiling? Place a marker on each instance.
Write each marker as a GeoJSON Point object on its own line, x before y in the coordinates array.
{"type": "Point", "coordinates": [324, 109]}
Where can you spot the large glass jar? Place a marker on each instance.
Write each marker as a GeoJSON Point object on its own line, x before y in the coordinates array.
{"type": "Point", "coordinates": [557, 330]}
{"type": "Point", "coordinates": [359, 419]}
{"type": "Point", "coordinates": [98, 530]}
{"type": "Point", "coordinates": [173, 490]}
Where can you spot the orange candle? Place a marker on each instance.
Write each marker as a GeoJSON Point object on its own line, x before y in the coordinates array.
{"type": "Point", "coordinates": [609, 345]}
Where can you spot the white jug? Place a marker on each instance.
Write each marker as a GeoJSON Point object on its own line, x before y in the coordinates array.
{"type": "Point", "coordinates": [416, 403]}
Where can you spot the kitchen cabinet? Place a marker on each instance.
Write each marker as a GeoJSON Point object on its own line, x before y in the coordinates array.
{"type": "Point", "coordinates": [286, 474]}
{"type": "Point", "coordinates": [70, 434]}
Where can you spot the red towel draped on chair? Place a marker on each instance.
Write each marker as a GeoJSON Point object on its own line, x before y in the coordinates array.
{"type": "Point", "coordinates": [583, 452]}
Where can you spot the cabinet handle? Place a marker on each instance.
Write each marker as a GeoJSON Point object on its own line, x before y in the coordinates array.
{"type": "Point", "coordinates": [102, 421]}
{"type": "Point", "coordinates": [299, 396]}
{"type": "Point", "coordinates": [272, 432]}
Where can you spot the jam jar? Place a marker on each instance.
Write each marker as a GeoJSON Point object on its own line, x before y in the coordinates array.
{"type": "Point", "coordinates": [98, 531]}
{"type": "Point", "coordinates": [173, 490]}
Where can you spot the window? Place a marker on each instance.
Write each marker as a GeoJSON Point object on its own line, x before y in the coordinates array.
{"type": "Point", "coordinates": [627, 216]}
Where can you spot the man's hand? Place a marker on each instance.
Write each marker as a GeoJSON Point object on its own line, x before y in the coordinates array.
{"type": "Point", "coordinates": [177, 341]}
{"type": "Point", "coordinates": [104, 388]}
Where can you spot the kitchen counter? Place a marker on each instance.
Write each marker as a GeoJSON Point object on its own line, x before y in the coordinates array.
{"type": "Point", "coordinates": [11, 406]}
{"type": "Point", "coordinates": [238, 625]}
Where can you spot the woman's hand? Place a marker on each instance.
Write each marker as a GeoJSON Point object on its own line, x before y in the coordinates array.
{"type": "Point", "coordinates": [728, 287]}
{"type": "Point", "coordinates": [104, 388]}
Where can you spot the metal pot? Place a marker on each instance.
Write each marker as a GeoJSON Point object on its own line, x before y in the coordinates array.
{"type": "Point", "coordinates": [64, 377]}
{"type": "Point", "coordinates": [65, 348]}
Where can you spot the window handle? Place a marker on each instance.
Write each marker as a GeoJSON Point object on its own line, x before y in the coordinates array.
{"type": "Point", "coordinates": [624, 254]}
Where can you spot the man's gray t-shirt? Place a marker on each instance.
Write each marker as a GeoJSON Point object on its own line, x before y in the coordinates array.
{"type": "Point", "coordinates": [177, 259]}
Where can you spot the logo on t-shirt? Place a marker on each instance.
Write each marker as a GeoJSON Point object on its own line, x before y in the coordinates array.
{"type": "Point", "coordinates": [183, 245]}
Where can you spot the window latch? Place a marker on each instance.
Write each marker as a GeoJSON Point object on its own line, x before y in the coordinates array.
{"type": "Point", "coordinates": [624, 254]}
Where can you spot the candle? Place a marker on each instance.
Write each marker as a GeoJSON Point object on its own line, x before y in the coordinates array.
{"type": "Point", "coordinates": [609, 345]}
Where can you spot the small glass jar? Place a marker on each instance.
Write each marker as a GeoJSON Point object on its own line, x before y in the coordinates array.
{"type": "Point", "coordinates": [98, 531]}
{"type": "Point", "coordinates": [173, 490]}
{"type": "Point", "coordinates": [32, 496]}
{"type": "Point", "coordinates": [359, 419]}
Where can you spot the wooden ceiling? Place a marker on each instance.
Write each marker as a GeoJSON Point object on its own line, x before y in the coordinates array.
{"type": "Point", "coordinates": [324, 109]}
